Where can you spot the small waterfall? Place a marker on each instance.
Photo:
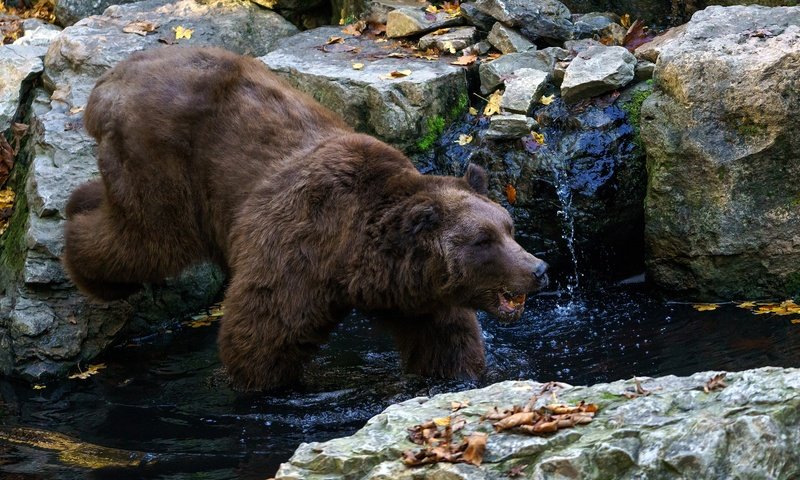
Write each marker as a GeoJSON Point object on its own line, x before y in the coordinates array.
{"type": "Point", "coordinates": [567, 215]}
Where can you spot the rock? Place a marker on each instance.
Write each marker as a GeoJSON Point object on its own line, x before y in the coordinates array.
{"type": "Point", "coordinates": [574, 47]}
{"type": "Point", "coordinates": [548, 20]}
{"type": "Point", "coordinates": [481, 48]}
{"type": "Point", "coordinates": [508, 40]}
{"type": "Point", "coordinates": [492, 73]}
{"type": "Point", "coordinates": [720, 132]}
{"type": "Point", "coordinates": [59, 155]}
{"type": "Point", "coordinates": [475, 17]}
{"type": "Point", "coordinates": [406, 112]}
{"type": "Point", "coordinates": [650, 50]}
{"type": "Point", "coordinates": [749, 429]}
{"type": "Point", "coordinates": [20, 66]}
{"type": "Point", "coordinates": [559, 69]}
{"type": "Point", "coordinates": [405, 22]}
{"type": "Point", "coordinates": [69, 12]}
{"type": "Point", "coordinates": [644, 70]}
{"type": "Point", "coordinates": [597, 70]}
{"type": "Point", "coordinates": [599, 25]}
{"type": "Point", "coordinates": [523, 90]}
{"type": "Point", "coordinates": [37, 33]}
{"type": "Point", "coordinates": [509, 126]}
{"type": "Point", "coordinates": [454, 40]}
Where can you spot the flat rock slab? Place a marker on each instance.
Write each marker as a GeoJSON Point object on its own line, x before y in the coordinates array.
{"type": "Point", "coordinates": [457, 38]}
{"type": "Point", "coordinates": [508, 126]}
{"type": "Point", "coordinates": [548, 20]}
{"type": "Point", "coordinates": [60, 156]}
{"type": "Point", "coordinates": [494, 73]}
{"type": "Point", "coordinates": [597, 70]}
{"type": "Point", "coordinates": [523, 90]}
{"type": "Point", "coordinates": [508, 40]}
{"type": "Point", "coordinates": [405, 21]}
{"type": "Point", "coordinates": [396, 110]}
{"type": "Point", "coordinates": [750, 429]}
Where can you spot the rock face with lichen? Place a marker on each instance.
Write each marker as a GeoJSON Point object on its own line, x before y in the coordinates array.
{"type": "Point", "coordinates": [749, 429]}
{"type": "Point", "coordinates": [723, 199]}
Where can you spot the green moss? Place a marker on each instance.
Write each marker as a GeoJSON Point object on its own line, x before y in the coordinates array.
{"type": "Point", "coordinates": [436, 125]}
{"type": "Point", "coordinates": [633, 109]}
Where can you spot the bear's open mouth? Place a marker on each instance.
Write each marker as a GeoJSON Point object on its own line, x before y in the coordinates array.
{"type": "Point", "coordinates": [511, 304]}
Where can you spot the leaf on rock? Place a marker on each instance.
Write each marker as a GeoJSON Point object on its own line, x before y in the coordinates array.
{"type": "Point", "coordinates": [442, 421]}
{"type": "Point", "coordinates": [511, 194]}
{"type": "Point", "coordinates": [636, 36]}
{"type": "Point", "coordinates": [452, 8]}
{"type": "Point", "coordinates": [476, 447]}
{"type": "Point", "coordinates": [637, 391]}
{"type": "Point", "coordinates": [448, 46]}
{"type": "Point", "coordinates": [6, 159]}
{"type": "Point", "coordinates": [705, 307]}
{"type": "Point", "coordinates": [358, 66]}
{"type": "Point", "coordinates": [90, 370]}
{"type": "Point", "coordinates": [212, 314]}
{"type": "Point", "coordinates": [625, 20]}
{"type": "Point", "coordinates": [396, 74]}
{"type": "Point", "coordinates": [334, 39]}
{"type": "Point", "coordinates": [493, 105]}
{"type": "Point", "coordinates": [142, 27]}
{"type": "Point", "coordinates": [440, 31]}
{"type": "Point", "coordinates": [465, 60]}
{"type": "Point", "coordinates": [181, 33]}
{"type": "Point", "coordinates": [717, 382]}
{"type": "Point", "coordinates": [355, 29]}
{"type": "Point", "coordinates": [538, 137]}
{"type": "Point", "coordinates": [463, 139]}
{"type": "Point", "coordinates": [795, 321]}
{"type": "Point", "coordinates": [432, 9]}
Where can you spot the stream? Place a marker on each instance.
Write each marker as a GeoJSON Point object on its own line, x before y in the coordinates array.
{"type": "Point", "coordinates": [163, 395]}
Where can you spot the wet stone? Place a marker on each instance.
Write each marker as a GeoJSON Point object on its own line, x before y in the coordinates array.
{"type": "Point", "coordinates": [475, 17]}
{"type": "Point", "coordinates": [508, 40]}
{"type": "Point", "coordinates": [493, 73]}
{"type": "Point", "coordinates": [597, 70]}
{"type": "Point", "coordinates": [523, 90]}
{"type": "Point", "coordinates": [536, 19]}
{"type": "Point", "coordinates": [644, 70]}
{"type": "Point", "coordinates": [509, 126]}
{"type": "Point", "coordinates": [599, 25]}
{"type": "Point", "coordinates": [405, 22]}
{"type": "Point", "coordinates": [454, 40]}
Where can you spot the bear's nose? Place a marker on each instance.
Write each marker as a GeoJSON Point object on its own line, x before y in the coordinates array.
{"type": "Point", "coordinates": [540, 270]}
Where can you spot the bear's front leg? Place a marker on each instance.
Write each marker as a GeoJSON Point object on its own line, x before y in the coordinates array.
{"type": "Point", "coordinates": [447, 344]}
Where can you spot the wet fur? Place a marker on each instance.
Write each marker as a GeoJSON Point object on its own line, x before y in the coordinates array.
{"type": "Point", "coordinates": [206, 156]}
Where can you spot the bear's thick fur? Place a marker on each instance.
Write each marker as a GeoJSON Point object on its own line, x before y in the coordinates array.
{"type": "Point", "coordinates": [206, 155]}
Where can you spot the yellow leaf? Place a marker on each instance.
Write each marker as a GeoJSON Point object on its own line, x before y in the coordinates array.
{"type": "Point", "coordinates": [493, 105]}
{"type": "Point", "coordinates": [441, 31]}
{"type": "Point", "coordinates": [473, 111]}
{"type": "Point", "coordinates": [747, 305]}
{"type": "Point", "coordinates": [181, 32]}
{"type": "Point", "coordinates": [547, 99]}
{"type": "Point", "coordinates": [705, 307]}
{"type": "Point", "coordinates": [452, 8]}
{"type": "Point", "coordinates": [90, 370]}
{"type": "Point", "coordinates": [39, 387]}
{"type": "Point", "coordinates": [449, 47]}
{"type": "Point", "coordinates": [538, 137]}
{"type": "Point", "coordinates": [464, 139]}
{"type": "Point", "coordinates": [442, 421]}
{"type": "Point", "coordinates": [432, 9]}
{"type": "Point", "coordinates": [625, 20]}
{"type": "Point", "coordinates": [795, 321]}
{"type": "Point", "coordinates": [358, 66]}
{"type": "Point", "coordinates": [6, 204]}
{"type": "Point", "coordinates": [396, 74]}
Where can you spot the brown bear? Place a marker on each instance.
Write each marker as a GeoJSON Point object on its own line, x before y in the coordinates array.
{"type": "Point", "coordinates": [205, 155]}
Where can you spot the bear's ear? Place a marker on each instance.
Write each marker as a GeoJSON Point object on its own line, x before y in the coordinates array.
{"type": "Point", "coordinates": [477, 179]}
{"type": "Point", "coordinates": [424, 217]}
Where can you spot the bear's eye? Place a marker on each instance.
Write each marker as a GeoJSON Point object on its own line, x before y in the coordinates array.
{"type": "Point", "coordinates": [482, 240]}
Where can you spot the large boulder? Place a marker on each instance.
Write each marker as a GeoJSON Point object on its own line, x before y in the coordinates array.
{"type": "Point", "coordinates": [353, 78]}
{"type": "Point", "coordinates": [721, 136]}
{"type": "Point", "coordinates": [674, 429]}
{"type": "Point", "coordinates": [545, 20]}
{"type": "Point", "coordinates": [46, 326]}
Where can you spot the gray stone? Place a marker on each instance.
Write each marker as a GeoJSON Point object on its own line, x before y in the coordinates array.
{"type": "Point", "coordinates": [750, 429]}
{"type": "Point", "coordinates": [492, 74]}
{"type": "Point", "coordinates": [480, 48]}
{"type": "Point", "coordinates": [405, 22]}
{"type": "Point", "coordinates": [509, 126]}
{"type": "Point", "coordinates": [597, 70]}
{"type": "Point", "coordinates": [20, 65]}
{"type": "Point", "coordinates": [650, 50]}
{"type": "Point", "coordinates": [475, 17]}
{"type": "Point", "coordinates": [644, 70]}
{"type": "Point", "coordinates": [69, 12]}
{"type": "Point", "coordinates": [396, 110]}
{"type": "Point", "coordinates": [523, 90]}
{"type": "Point", "coordinates": [456, 39]}
{"type": "Point", "coordinates": [59, 156]}
{"type": "Point", "coordinates": [574, 47]}
{"type": "Point", "coordinates": [508, 40]}
{"type": "Point", "coordinates": [599, 25]}
{"type": "Point", "coordinates": [37, 33]}
{"type": "Point", "coordinates": [548, 20]}
{"type": "Point", "coordinates": [720, 131]}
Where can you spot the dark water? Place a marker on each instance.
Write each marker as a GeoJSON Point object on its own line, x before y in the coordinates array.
{"type": "Point", "coordinates": [163, 396]}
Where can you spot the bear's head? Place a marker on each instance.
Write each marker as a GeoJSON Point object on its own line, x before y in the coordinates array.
{"type": "Point", "coordinates": [486, 269]}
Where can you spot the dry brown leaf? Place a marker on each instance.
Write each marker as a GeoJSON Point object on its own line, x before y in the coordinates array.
{"type": "Point", "coordinates": [90, 370]}
{"type": "Point", "coordinates": [515, 420]}
{"type": "Point", "coordinates": [6, 159]}
{"type": "Point", "coordinates": [142, 27]}
{"type": "Point", "coordinates": [476, 447]}
{"type": "Point", "coordinates": [511, 194]}
{"type": "Point", "coordinates": [334, 39]}
{"type": "Point", "coordinates": [355, 29]}
{"type": "Point", "coordinates": [465, 60]}
{"type": "Point", "coordinates": [717, 382]}
{"type": "Point", "coordinates": [396, 74]}
{"type": "Point", "coordinates": [440, 31]}
{"type": "Point", "coordinates": [705, 307]}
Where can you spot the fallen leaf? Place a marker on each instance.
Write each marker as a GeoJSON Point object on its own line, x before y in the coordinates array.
{"type": "Point", "coordinates": [636, 36]}
{"type": "Point", "coordinates": [705, 307]}
{"type": "Point", "coordinates": [476, 447]}
{"type": "Point", "coordinates": [39, 387]}
{"type": "Point", "coordinates": [625, 20]}
{"type": "Point", "coordinates": [181, 33]}
{"type": "Point", "coordinates": [515, 420]}
{"type": "Point", "coordinates": [465, 60]}
{"type": "Point", "coordinates": [140, 28]}
{"type": "Point", "coordinates": [355, 29]}
{"type": "Point", "coordinates": [516, 471]}
{"type": "Point", "coordinates": [511, 194]}
{"type": "Point", "coordinates": [440, 31]}
{"type": "Point", "coordinates": [473, 111]}
{"type": "Point", "coordinates": [448, 46]}
{"type": "Point", "coordinates": [452, 8]}
{"type": "Point", "coordinates": [464, 139]}
{"type": "Point", "coordinates": [76, 110]}
{"type": "Point", "coordinates": [547, 99]}
{"type": "Point", "coordinates": [6, 159]}
{"type": "Point", "coordinates": [432, 9]}
{"type": "Point", "coordinates": [746, 305]}
{"type": "Point", "coordinates": [717, 382]}
{"type": "Point", "coordinates": [795, 321]}
{"type": "Point", "coordinates": [90, 370]}
{"type": "Point", "coordinates": [358, 66]}
{"type": "Point", "coordinates": [456, 406]}
{"type": "Point", "coordinates": [493, 105]}
{"type": "Point", "coordinates": [538, 137]}
{"type": "Point", "coordinates": [396, 74]}
{"type": "Point", "coordinates": [442, 421]}
{"type": "Point", "coordinates": [6, 207]}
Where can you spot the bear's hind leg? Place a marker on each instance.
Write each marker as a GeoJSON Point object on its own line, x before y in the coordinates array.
{"type": "Point", "coordinates": [447, 344]}
{"type": "Point", "coordinates": [86, 197]}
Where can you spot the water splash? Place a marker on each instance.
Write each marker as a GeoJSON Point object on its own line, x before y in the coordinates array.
{"type": "Point", "coordinates": [567, 215]}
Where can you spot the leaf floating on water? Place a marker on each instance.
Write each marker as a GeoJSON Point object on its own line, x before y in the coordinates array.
{"type": "Point", "coordinates": [39, 387]}
{"type": "Point", "coordinates": [90, 370]}
{"type": "Point", "coordinates": [788, 307]}
{"type": "Point", "coordinates": [493, 105]}
{"type": "Point", "coordinates": [705, 307]}
{"type": "Point", "coordinates": [511, 194]}
{"type": "Point", "coordinates": [181, 33]}
{"type": "Point", "coordinates": [464, 139]}
{"type": "Point", "coordinates": [140, 28]}
{"type": "Point", "coordinates": [538, 137]}
{"type": "Point", "coordinates": [746, 305]}
{"type": "Point", "coordinates": [717, 382]}
{"type": "Point", "coordinates": [396, 74]}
